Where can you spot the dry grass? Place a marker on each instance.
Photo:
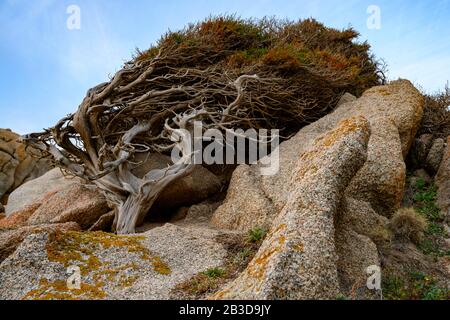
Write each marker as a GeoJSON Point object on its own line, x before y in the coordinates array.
{"type": "Point", "coordinates": [407, 224]}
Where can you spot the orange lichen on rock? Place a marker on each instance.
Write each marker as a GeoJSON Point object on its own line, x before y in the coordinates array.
{"type": "Point", "coordinates": [83, 249]}
{"type": "Point", "coordinates": [58, 290]}
{"type": "Point", "coordinates": [19, 218]}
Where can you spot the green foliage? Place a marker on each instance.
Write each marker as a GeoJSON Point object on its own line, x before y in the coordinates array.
{"type": "Point", "coordinates": [256, 234]}
{"type": "Point", "coordinates": [394, 288]}
{"type": "Point", "coordinates": [426, 288]}
{"type": "Point", "coordinates": [436, 229]}
{"type": "Point", "coordinates": [414, 286]}
{"type": "Point", "coordinates": [427, 194]}
{"type": "Point", "coordinates": [426, 203]}
{"type": "Point", "coordinates": [420, 184]}
{"type": "Point", "coordinates": [214, 273]}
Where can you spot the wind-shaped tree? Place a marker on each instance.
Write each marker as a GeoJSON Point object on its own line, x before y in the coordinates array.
{"type": "Point", "coordinates": [227, 73]}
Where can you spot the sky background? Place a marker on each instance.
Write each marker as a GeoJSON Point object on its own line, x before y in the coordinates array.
{"type": "Point", "coordinates": [46, 69]}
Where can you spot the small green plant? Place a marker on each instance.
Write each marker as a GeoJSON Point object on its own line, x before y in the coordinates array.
{"type": "Point", "coordinates": [240, 253]}
{"type": "Point", "coordinates": [429, 247]}
{"type": "Point", "coordinates": [394, 288]}
{"type": "Point", "coordinates": [426, 288]}
{"type": "Point", "coordinates": [256, 234]}
{"type": "Point", "coordinates": [436, 229]}
{"type": "Point", "coordinates": [414, 286]}
{"type": "Point", "coordinates": [426, 202]}
{"type": "Point", "coordinates": [425, 205]}
{"type": "Point", "coordinates": [427, 195]}
{"type": "Point", "coordinates": [244, 254]}
{"type": "Point", "coordinates": [214, 273]}
{"type": "Point", "coordinates": [420, 184]}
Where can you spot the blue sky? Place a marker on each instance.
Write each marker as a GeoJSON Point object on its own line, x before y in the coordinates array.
{"type": "Point", "coordinates": [46, 68]}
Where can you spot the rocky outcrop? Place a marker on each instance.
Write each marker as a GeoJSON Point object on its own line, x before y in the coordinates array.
{"type": "Point", "coordinates": [33, 191]}
{"type": "Point", "coordinates": [78, 203]}
{"type": "Point", "coordinates": [145, 266]}
{"type": "Point", "coordinates": [17, 163]}
{"type": "Point", "coordinates": [11, 239]}
{"type": "Point", "coordinates": [54, 199]}
{"type": "Point", "coordinates": [339, 182]}
{"type": "Point", "coordinates": [435, 155]}
{"type": "Point", "coordinates": [420, 149]}
{"type": "Point", "coordinates": [373, 194]}
{"type": "Point", "coordinates": [298, 258]}
{"type": "Point", "coordinates": [19, 218]}
{"type": "Point", "coordinates": [104, 223]}
{"type": "Point", "coordinates": [394, 113]}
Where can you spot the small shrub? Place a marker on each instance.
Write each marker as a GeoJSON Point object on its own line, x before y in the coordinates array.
{"type": "Point", "coordinates": [214, 273]}
{"type": "Point", "coordinates": [436, 117]}
{"type": "Point", "coordinates": [413, 286]}
{"type": "Point", "coordinates": [426, 288]}
{"type": "Point", "coordinates": [407, 224]}
{"type": "Point", "coordinates": [420, 184]}
{"type": "Point", "coordinates": [382, 236]}
{"type": "Point", "coordinates": [394, 288]}
{"type": "Point", "coordinates": [256, 235]}
{"type": "Point", "coordinates": [426, 195]}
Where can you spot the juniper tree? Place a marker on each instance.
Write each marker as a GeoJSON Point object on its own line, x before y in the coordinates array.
{"type": "Point", "coordinates": [227, 73]}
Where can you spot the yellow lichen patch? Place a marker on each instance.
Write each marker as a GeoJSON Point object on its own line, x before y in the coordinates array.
{"type": "Point", "coordinates": [127, 281]}
{"type": "Point", "coordinates": [344, 128]}
{"type": "Point", "coordinates": [309, 159]}
{"type": "Point", "coordinates": [258, 265]}
{"type": "Point", "coordinates": [69, 248]}
{"type": "Point", "coordinates": [58, 290]}
{"type": "Point", "coordinates": [160, 266]}
{"type": "Point", "coordinates": [82, 248]}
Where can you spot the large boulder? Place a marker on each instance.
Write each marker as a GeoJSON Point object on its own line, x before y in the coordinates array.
{"type": "Point", "coordinates": [33, 191]}
{"type": "Point", "coordinates": [11, 239]}
{"type": "Point", "coordinates": [193, 189]}
{"type": "Point", "coordinates": [375, 191]}
{"type": "Point", "coordinates": [54, 198]}
{"type": "Point", "coordinates": [19, 218]}
{"type": "Point", "coordinates": [443, 183]}
{"type": "Point", "coordinates": [435, 155]}
{"type": "Point", "coordinates": [78, 203]}
{"type": "Point", "coordinates": [145, 266]}
{"type": "Point", "coordinates": [298, 258]}
{"type": "Point", "coordinates": [394, 112]}
{"type": "Point", "coordinates": [419, 150]}
{"type": "Point", "coordinates": [18, 164]}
